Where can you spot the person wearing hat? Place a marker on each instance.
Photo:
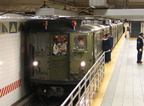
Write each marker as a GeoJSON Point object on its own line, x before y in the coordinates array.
{"type": "Point", "coordinates": [139, 47]}
{"type": "Point", "coordinates": [106, 48]}
{"type": "Point", "coordinates": [110, 38]}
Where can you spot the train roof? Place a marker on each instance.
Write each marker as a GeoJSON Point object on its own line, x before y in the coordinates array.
{"type": "Point", "coordinates": [92, 28]}
{"type": "Point", "coordinates": [62, 25]}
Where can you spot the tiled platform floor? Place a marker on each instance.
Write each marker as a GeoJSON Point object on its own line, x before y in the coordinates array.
{"type": "Point", "coordinates": [123, 84]}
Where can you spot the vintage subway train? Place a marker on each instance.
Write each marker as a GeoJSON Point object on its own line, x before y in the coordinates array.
{"type": "Point", "coordinates": [61, 51]}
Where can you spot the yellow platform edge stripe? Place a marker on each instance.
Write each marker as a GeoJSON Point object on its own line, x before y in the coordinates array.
{"type": "Point", "coordinates": [109, 68]}
{"type": "Point", "coordinates": [132, 38]}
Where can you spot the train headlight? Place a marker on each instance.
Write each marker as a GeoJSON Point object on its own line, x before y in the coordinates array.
{"type": "Point", "coordinates": [35, 63]}
{"type": "Point", "coordinates": [83, 63]}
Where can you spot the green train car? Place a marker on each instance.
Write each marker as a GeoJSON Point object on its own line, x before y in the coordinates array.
{"type": "Point", "coordinates": [61, 51]}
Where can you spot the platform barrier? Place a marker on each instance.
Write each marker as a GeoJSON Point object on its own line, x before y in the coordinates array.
{"type": "Point", "coordinates": [84, 92]}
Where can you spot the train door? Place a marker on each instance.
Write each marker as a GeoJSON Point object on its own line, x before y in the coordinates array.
{"type": "Point", "coordinates": [39, 52]}
{"type": "Point", "coordinates": [114, 30]}
{"type": "Point", "coordinates": [97, 45]}
{"type": "Point", "coordinates": [114, 33]}
{"type": "Point", "coordinates": [59, 59]}
{"type": "Point", "coordinates": [81, 58]}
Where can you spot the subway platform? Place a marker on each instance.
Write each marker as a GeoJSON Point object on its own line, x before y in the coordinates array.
{"type": "Point", "coordinates": [123, 84]}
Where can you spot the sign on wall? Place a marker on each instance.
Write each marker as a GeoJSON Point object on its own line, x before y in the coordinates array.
{"type": "Point", "coordinates": [9, 27]}
{"type": "Point", "coordinates": [13, 27]}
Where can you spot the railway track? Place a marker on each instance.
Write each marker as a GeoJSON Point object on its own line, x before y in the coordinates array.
{"type": "Point", "coordinates": [52, 101]}
{"type": "Point", "coordinates": [34, 100]}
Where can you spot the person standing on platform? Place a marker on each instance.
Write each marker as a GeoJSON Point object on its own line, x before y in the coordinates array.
{"type": "Point", "coordinates": [110, 38]}
{"type": "Point", "coordinates": [106, 48]}
{"type": "Point", "coordinates": [139, 47]}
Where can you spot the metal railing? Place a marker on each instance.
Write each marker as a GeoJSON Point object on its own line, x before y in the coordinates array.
{"type": "Point", "coordinates": [85, 89]}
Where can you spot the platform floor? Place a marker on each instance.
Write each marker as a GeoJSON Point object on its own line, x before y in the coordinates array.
{"type": "Point", "coordinates": [123, 84]}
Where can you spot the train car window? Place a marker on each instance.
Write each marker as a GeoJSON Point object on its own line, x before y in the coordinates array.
{"type": "Point", "coordinates": [59, 45]}
{"type": "Point", "coordinates": [39, 42]}
{"type": "Point", "coordinates": [80, 42]}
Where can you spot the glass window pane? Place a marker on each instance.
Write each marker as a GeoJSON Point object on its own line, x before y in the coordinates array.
{"type": "Point", "coordinates": [80, 42]}
{"type": "Point", "coordinates": [59, 45]}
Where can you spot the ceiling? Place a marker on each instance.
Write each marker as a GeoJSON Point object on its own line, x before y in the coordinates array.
{"type": "Point", "coordinates": [81, 7]}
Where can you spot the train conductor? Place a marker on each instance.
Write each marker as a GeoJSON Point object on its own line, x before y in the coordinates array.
{"type": "Point", "coordinates": [139, 47]}
{"type": "Point", "coordinates": [106, 48]}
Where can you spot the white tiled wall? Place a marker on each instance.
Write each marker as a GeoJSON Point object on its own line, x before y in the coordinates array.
{"type": "Point", "coordinates": [10, 67]}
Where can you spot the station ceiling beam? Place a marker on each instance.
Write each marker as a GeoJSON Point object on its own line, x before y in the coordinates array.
{"type": "Point", "coordinates": [129, 14]}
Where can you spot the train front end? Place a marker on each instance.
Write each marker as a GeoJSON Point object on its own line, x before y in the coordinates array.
{"type": "Point", "coordinates": [59, 55]}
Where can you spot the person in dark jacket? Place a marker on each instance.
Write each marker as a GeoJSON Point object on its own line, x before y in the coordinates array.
{"type": "Point", "coordinates": [110, 38]}
{"type": "Point", "coordinates": [106, 48]}
{"type": "Point", "coordinates": [139, 47]}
